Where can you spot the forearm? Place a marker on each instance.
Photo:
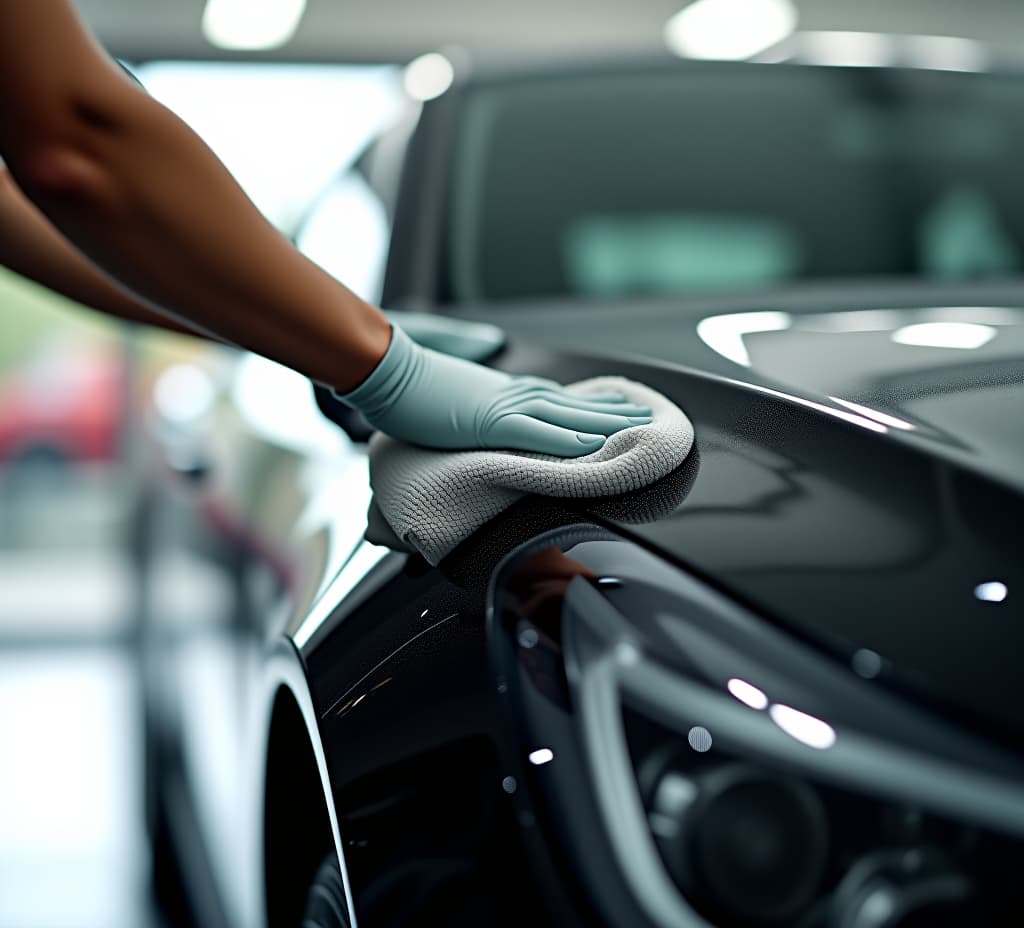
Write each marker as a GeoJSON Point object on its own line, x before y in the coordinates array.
{"type": "Point", "coordinates": [32, 247]}
{"type": "Point", "coordinates": [136, 191]}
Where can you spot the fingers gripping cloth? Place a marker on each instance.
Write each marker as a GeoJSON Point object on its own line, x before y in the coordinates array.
{"type": "Point", "coordinates": [433, 399]}
{"type": "Point", "coordinates": [432, 500]}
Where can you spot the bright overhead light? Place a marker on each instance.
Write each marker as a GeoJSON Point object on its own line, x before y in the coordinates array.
{"type": "Point", "coordinates": [846, 49]}
{"type": "Point", "coordinates": [875, 49]}
{"type": "Point", "coordinates": [428, 76]}
{"type": "Point", "coordinates": [946, 53]}
{"type": "Point", "coordinates": [183, 393]}
{"type": "Point", "coordinates": [963, 335]}
{"type": "Point", "coordinates": [251, 24]}
{"type": "Point", "coordinates": [729, 29]}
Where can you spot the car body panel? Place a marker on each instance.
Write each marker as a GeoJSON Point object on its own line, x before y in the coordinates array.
{"type": "Point", "coordinates": [849, 493]}
{"type": "Point", "coordinates": [833, 523]}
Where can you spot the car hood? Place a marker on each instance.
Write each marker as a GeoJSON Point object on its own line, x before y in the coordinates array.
{"type": "Point", "coordinates": [944, 364]}
{"type": "Point", "coordinates": [953, 375]}
{"type": "Point", "coordinates": [867, 498]}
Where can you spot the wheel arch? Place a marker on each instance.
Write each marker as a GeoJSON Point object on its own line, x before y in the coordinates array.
{"type": "Point", "coordinates": [299, 820]}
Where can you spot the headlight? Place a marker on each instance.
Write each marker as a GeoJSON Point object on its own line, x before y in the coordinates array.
{"type": "Point", "coordinates": [746, 780]}
{"type": "Point", "coordinates": [692, 766]}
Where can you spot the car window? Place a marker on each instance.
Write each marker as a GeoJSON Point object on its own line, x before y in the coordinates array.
{"type": "Point", "coordinates": [670, 252]}
{"type": "Point", "coordinates": [694, 180]}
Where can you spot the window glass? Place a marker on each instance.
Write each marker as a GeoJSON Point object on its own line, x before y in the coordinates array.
{"type": "Point", "coordinates": [605, 255]}
{"type": "Point", "coordinates": [689, 180]}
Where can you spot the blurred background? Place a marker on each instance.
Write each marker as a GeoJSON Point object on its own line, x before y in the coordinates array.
{"type": "Point", "coordinates": [287, 93]}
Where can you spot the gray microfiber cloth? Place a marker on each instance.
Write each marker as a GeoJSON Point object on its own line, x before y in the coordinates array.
{"type": "Point", "coordinates": [429, 501]}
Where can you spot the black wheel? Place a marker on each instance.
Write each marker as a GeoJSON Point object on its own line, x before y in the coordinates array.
{"type": "Point", "coordinates": [326, 906]}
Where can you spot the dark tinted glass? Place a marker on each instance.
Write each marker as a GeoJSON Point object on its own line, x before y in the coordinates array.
{"type": "Point", "coordinates": [696, 179]}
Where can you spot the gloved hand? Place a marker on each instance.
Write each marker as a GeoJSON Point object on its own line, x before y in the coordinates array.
{"type": "Point", "coordinates": [427, 398]}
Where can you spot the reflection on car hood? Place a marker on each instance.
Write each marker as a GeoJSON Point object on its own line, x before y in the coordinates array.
{"type": "Point", "coordinates": [949, 374]}
{"type": "Point", "coordinates": [873, 522]}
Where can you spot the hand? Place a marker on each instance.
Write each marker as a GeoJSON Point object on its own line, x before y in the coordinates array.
{"type": "Point", "coordinates": [427, 398]}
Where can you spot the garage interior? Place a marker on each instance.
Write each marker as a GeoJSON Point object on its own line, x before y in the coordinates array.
{"type": "Point", "coordinates": [73, 848]}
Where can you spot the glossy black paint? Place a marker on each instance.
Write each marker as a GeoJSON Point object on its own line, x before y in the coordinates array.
{"type": "Point", "coordinates": [858, 539]}
{"type": "Point", "coordinates": [584, 626]}
{"type": "Point", "coordinates": [406, 716]}
{"type": "Point", "coordinates": [851, 538]}
{"type": "Point", "coordinates": [838, 537]}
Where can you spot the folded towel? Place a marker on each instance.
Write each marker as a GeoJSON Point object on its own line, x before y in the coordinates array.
{"type": "Point", "coordinates": [432, 500]}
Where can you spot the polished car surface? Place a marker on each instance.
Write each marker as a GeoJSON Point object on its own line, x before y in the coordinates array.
{"type": "Point", "coordinates": [779, 687]}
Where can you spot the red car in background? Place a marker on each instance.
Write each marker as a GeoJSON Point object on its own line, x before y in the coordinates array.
{"type": "Point", "coordinates": [62, 409]}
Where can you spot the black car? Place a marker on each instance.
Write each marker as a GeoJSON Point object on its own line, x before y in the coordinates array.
{"type": "Point", "coordinates": [780, 687]}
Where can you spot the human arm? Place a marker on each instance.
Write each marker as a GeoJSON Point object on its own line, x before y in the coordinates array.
{"type": "Point", "coordinates": [143, 197]}
{"type": "Point", "coordinates": [138, 193]}
{"type": "Point", "coordinates": [32, 247]}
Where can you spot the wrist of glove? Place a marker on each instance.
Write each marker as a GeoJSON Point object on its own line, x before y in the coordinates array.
{"type": "Point", "coordinates": [427, 398]}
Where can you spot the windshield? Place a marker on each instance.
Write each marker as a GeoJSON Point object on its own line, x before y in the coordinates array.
{"type": "Point", "coordinates": [701, 179]}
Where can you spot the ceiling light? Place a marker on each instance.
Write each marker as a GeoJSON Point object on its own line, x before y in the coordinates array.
{"type": "Point", "coordinates": [183, 393]}
{"type": "Point", "coordinates": [875, 49]}
{"type": "Point", "coordinates": [946, 53]}
{"type": "Point", "coordinates": [963, 335]}
{"type": "Point", "coordinates": [729, 29]}
{"type": "Point", "coordinates": [846, 49]}
{"type": "Point", "coordinates": [428, 76]}
{"type": "Point", "coordinates": [251, 24]}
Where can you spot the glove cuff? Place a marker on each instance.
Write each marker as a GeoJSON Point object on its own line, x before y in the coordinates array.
{"type": "Point", "coordinates": [387, 381]}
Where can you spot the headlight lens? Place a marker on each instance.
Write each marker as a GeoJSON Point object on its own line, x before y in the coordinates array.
{"type": "Point", "coordinates": [729, 806]}
{"type": "Point", "coordinates": [747, 845]}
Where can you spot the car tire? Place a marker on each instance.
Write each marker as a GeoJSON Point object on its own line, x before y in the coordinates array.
{"type": "Point", "coordinates": [326, 904]}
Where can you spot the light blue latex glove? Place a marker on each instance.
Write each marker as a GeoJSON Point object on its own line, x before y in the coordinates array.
{"type": "Point", "coordinates": [423, 397]}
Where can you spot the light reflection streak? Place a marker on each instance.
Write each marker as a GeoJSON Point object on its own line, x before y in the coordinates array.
{"type": "Point", "coordinates": [880, 417]}
{"type": "Point", "coordinates": [541, 756]}
{"type": "Point", "coordinates": [966, 336]}
{"type": "Point", "coordinates": [724, 334]}
{"type": "Point", "coordinates": [362, 561]}
{"type": "Point", "coordinates": [747, 693]}
{"type": "Point", "coordinates": [992, 592]}
{"type": "Point", "coordinates": [803, 727]}
{"type": "Point", "coordinates": [862, 421]}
